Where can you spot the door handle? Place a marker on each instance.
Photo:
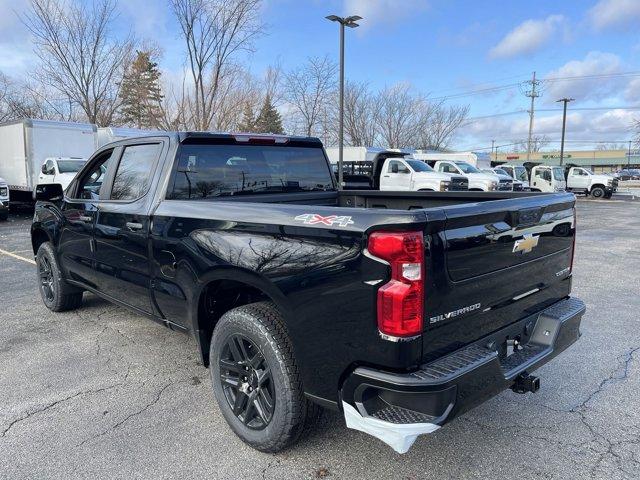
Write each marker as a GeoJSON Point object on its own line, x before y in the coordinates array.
{"type": "Point", "coordinates": [133, 225]}
{"type": "Point", "coordinates": [85, 218]}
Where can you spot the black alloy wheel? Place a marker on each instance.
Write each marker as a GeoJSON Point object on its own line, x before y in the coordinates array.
{"type": "Point", "coordinates": [47, 283]}
{"type": "Point", "coordinates": [247, 382]}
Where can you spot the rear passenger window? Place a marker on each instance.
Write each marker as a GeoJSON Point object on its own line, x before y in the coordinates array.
{"type": "Point", "coordinates": [135, 169]}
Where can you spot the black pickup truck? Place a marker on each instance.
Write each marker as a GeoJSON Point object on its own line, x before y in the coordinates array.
{"type": "Point", "coordinates": [400, 310]}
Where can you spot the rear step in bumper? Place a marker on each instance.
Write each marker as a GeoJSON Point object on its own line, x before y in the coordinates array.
{"type": "Point", "coordinates": [397, 407]}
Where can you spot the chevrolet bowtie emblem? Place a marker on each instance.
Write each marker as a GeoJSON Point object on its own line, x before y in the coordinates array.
{"type": "Point", "coordinates": [527, 243]}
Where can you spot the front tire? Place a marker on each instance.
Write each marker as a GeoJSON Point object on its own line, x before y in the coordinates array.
{"type": "Point", "coordinates": [597, 192]}
{"type": "Point", "coordinates": [256, 380]}
{"type": "Point", "coordinates": [57, 295]}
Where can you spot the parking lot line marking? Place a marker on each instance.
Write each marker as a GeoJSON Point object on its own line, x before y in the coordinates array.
{"type": "Point", "coordinates": [10, 254]}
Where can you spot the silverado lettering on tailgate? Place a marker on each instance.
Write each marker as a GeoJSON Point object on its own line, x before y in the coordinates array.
{"type": "Point", "coordinates": [454, 313]}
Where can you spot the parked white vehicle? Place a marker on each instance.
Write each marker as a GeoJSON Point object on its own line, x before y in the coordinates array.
{"type": "Point", "coordinates": [478, 180]}
{"type": "Point", "coordinates": [4, 199]}
{"type": "Point", "coordinates": [517, 172]}
{"type": "Point", "coordinates": [546, 178]}
{"type": "Point", "coordinates": [60, 170]}
{"type": "Point", "coordinates": [408, 174]}
{"type": "Point", "coordinates": [26, 144]}
{"type": "Point", "coordinates": [516, 185]}
{"type": "Point", "coordinates": [583, 180]}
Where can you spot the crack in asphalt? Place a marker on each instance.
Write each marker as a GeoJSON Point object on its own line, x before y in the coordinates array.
{"type": "Point", "coordinates": [146, 407]}
{"type": "Point", "coordinates": [271, 464]}
{"type": "Point", "coordinates": [53, 404]}
{"type": "Point", "coordinates": [619, 374]}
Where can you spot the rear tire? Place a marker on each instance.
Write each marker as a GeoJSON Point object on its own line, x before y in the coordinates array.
{"type": "Point", "coordinates": [248, 344]}
{"type": "Point", "coordinates": [4, 217]}
{"type": "Point", "coordinates": [56, 293]}
{"type": "Point", "coordinates": [597, 192]}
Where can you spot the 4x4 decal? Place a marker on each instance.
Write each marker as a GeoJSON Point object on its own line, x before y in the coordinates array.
{"type": "Point", "coordinates": [316, 219]}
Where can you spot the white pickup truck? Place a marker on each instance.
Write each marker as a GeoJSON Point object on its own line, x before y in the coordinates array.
{"type": "Point", "coordinates": [478, 180]}
{"type": "Point", "coordinates": [517, 172]}
{"type": "Point", "coordinates": [546, 178]}
{"type": "Point", "coordinates": [60, 170]}
{"type": "Point", "coordinates": [583, 180]}
{"type": "Point", "coordinates": [408, 174]}
{"type": "Point", "coordinates": [4, 199]}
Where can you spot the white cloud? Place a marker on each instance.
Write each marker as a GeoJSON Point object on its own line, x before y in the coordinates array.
{"type": "Point", "coordinates": [383, 11]}
{"type": "Point", "coordinates": [594, 63]}
{"type": "Point", "coordinates": [584, 126]}
{"type": "Point", "coordinates": [527, 37]}
{"type": "Point", "coordinates": [632, 92]}
{"type": "Point", "coordinates": [612, 13]}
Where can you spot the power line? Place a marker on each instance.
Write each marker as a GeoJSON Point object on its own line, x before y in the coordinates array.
{"type": "Point", "coordinates": [508, 86]}
{"type": "Point", "coordinates": [515, 112]}
{"type": "Point", "coordinates": [578, 142]}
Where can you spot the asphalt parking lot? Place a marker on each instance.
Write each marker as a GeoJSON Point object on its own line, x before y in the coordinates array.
{"type": "Point", "coordinates": [103, 393]}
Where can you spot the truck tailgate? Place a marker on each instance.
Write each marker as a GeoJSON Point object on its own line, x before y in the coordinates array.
{"type": "Point", "coordinates": [503, 260]}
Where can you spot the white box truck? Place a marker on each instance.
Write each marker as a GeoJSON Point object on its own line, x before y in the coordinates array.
{"type": "Point", "coordinates": [26, 144]}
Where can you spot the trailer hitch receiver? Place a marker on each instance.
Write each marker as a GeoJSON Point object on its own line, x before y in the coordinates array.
{"type": "Point", "coordinates": [526, 383]}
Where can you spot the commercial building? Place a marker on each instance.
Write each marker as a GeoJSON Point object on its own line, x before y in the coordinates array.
{"type": "Point", "coordinates": [596, 160]}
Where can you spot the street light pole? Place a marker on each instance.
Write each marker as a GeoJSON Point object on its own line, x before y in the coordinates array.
{"type": "Point", "coordinates": [564, 124]}
{"type": "Point", "coordinates": [629, 156]}
{"type": "Point", "coordinates": [351, 23]}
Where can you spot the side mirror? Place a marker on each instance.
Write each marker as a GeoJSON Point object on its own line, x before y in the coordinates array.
{"type": "Point", "coordinates": [48, 192]}
{"type": "Point", "coordinates": [394, 168]}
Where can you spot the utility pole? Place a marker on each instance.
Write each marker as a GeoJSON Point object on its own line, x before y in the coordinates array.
{"type": "Point", "coordinates": [564, 124]}
{"type": "Point", "coordinates": [532, 94]}
{"type": "Point", "coordinates": [629, 156]}
{"type": "Point", "coordinates": [351, 23]}
{"type": "Point", "coordinates": [495, 158]}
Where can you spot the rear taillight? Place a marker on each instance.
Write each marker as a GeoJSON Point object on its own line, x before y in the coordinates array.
{"type": "Point", "coordinates": [573, 243]}
{"type": "Point", "coordinates": [401, 300]}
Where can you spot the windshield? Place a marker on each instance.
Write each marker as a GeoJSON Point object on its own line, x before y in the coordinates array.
{"type": "Point", "coordinates": [70, 166]}
{"type": "Point", "coordinates": [499, 171]}
{"type": "Point", "coordinates": [589, 171]}
{"type": "Point", "coordinates": [206, 171]}
{"type": "Point", "coordinates": [521, 174]}
{"type": "Point", "coordinates": [558, 173]}
{"type": "Point", "coordinates": [467, 167]}
{"type": "Point", "coordinates": [419, 166]}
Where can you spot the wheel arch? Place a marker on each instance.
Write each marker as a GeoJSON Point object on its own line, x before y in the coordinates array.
{"type": "Point", "coordinates": [39, 236]}
{"type": "Point", "coordinates": [222, 290]}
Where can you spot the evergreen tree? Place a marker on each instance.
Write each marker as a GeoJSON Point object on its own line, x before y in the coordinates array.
{"type": "Point", "coordinates": [248, 122]}
{"type": "Point", "coordinates": [140, 92]}
{"type": "Point", "coordinates": [269, 120]}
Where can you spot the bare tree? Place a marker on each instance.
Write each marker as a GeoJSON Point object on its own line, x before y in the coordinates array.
{"type": "Point", "coordinates": [611, 146]}
{"type": "Point", "coordinates": [30, 100]}
{"type": "Point", "coordinates": [214, 32]}
{"type": "Point", "coordinates": [5, 98]}
{"type": "Point", "coordinates": [538, 142]}
{"type": "Point", "coordinates": [361, 115]}
{"type": "Point", "coordinates": [309, 91]}
{"type": "Point", "coordinates": [80, 58]}
{"type": "Point", "coordinates": [439, 123]}
{"type": "Point", "coordinates": [400, 114]}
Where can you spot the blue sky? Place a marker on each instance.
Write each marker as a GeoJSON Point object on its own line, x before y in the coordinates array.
{"type": "Point", "coordinates": [442, 48]}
